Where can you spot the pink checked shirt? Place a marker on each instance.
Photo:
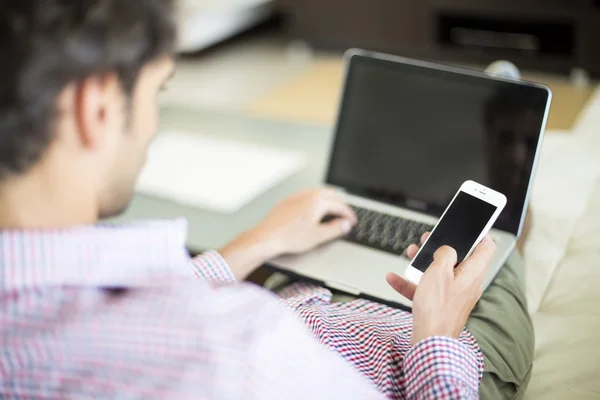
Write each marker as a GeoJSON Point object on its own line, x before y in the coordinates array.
{"type": "Point", "coordinates": [115, 312]}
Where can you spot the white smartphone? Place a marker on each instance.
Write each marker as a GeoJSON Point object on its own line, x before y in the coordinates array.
{"type": "Point", "coordinates": [464, 224]}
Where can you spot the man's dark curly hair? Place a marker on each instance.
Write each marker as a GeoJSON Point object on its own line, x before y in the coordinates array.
{"type": "Point", "coordinates": [46, 44]}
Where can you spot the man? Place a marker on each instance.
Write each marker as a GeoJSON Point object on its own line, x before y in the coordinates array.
{"type": "Point", "coordinates": [99, 311]}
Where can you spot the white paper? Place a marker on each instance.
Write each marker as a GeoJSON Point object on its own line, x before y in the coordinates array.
{"type": "Point", "coordinates": [213, 174]}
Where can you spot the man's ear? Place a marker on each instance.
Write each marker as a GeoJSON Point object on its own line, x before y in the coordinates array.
{"type": "Point", "coordinates": [95, 98]}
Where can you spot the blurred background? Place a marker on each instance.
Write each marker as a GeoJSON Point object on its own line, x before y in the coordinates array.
{"type": "Point", "coordinates": [282, 58]}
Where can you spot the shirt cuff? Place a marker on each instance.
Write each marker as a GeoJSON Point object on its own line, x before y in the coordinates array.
{"type": "Point", "coordinates": [442, 368]}
{"type": "Point", "coordinates": [211, 266]}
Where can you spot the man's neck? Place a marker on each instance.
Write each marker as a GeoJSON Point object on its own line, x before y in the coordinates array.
{"type": "Point", "coordinates": [37, 202]}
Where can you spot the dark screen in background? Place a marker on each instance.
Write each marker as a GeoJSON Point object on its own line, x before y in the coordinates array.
{"type": "Point", "coordinates": [459, 229]}
{"type": "Point", "coordinates": [411, 136]}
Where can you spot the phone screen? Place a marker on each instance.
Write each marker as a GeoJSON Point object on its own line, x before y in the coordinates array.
{"type": "Point", "coordinates": [459, 228]}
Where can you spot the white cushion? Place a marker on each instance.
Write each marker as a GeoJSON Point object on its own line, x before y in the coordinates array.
{"type": "Point", "coordinates": [563, 265]}
{"type": "Point", "coordinates": [567, 170]}
{"type": "Point", "coordinates": [567, 324]}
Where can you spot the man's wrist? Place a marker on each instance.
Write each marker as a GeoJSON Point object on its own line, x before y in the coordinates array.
{"type": "Point", "coordinates": [249, 251]}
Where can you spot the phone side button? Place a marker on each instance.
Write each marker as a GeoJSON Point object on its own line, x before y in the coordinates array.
{"type": "Point", "coordinates": [343, 288]}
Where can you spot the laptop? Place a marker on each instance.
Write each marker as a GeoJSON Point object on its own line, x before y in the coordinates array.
{"type": "Point", "coordinates": [408, 134]}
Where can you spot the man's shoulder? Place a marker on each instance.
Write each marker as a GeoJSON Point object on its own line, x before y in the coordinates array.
{"type": "Point", "coordinates": [104, 315]}
{"type": "Point", "coordinates": [132, 336]}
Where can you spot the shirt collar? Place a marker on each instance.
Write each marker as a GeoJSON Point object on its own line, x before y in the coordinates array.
{"type": "Point", "coordinates": [102, 255]}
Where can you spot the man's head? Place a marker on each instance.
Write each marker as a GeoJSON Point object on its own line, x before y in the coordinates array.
{"type": "Point", "coordinates": [78, 92]}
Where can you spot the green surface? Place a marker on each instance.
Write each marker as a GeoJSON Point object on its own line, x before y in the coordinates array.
{"type": "Point", "coordinates": [504, 330]}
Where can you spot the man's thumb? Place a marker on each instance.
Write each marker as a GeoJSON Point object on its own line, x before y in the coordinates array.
{"type": "Point", "coordinates": [445, 257]}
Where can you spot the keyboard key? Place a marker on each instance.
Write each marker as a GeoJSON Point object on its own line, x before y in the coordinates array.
{"type": "Point", "coordinates": [386, 232]}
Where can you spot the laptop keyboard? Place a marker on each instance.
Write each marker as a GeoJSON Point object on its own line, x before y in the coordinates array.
{"type": "Point", "coordinates": [386, 232]}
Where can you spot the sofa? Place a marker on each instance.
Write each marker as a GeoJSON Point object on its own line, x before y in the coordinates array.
{"type": "Point", "coordinates": [563, 263]}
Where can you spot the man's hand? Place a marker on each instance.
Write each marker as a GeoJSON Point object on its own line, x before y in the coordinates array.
{"type": "Point", "coordinates": [446, 295]}
{"type": "Point", "coordinates": [293, 227]}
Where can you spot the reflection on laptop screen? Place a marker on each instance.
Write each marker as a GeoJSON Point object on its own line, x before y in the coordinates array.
{"type": "Point", "coordinates": [411, 135]}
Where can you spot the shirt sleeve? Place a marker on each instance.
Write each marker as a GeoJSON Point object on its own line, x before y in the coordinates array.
{"type": "Point", "coordinates": [292, 364]}
{"type": "Point", "coordinates": [211, 266]}
{"type": "Point", "coordinates": [376, 339]}
{"type": "Point", "coordinates": [442, 368]}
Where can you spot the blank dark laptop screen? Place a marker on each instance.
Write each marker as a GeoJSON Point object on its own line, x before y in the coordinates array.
{"type": "Point", "coordinates": [411, 135]}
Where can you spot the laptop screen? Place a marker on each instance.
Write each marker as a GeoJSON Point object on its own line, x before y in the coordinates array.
{"type": "Point", "coordinates": [411, 135]}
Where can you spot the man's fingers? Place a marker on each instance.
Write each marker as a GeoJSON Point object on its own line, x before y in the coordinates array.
{"type": "Point", "coordinates": [334, 197]}
{"type": "Point", "coordinates": [412, 251]}
{"type": "Point", "coordinates": [477, 263]}
{"type": "Point", "coordinates": [337, 209]}
{"type": "Point", "coordinates": [334, 229]}
{"type": "Point", "coordinates": [402, 286]}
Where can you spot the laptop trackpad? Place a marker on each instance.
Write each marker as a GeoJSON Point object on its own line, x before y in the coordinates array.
{"type": "Point", "coordinates": [350, 268]}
